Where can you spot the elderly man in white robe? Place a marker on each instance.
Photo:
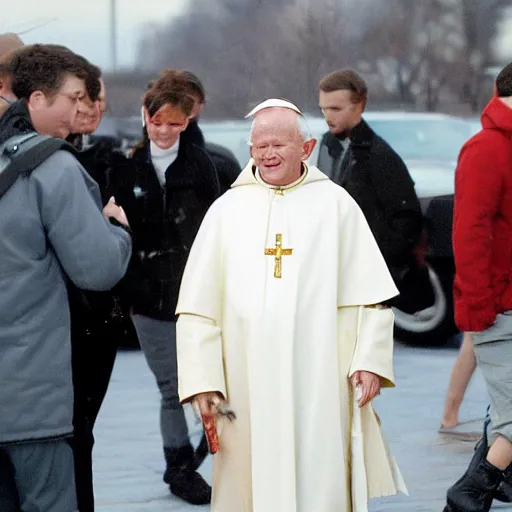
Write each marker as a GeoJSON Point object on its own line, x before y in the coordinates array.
{"type": "Point", "coordinates": [282, 315]}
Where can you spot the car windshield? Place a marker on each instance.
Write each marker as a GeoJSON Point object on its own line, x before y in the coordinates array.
{"type": "Point", "coordinates": [417, 139]}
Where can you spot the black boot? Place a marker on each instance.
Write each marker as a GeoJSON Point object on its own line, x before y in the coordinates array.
{"type": "Point", "coordinates": [183, 479]}
{"type": "Point", "coordinates": [504, 491]}
{"type": "Point", "coordinates": [475, 491]}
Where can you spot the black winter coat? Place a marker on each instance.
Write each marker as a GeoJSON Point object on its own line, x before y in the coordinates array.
{"type": "Point", "coordinates": [164, 222]}
{"type": "Point", "coordinates": [100, 318]}
{"type": "Point", "coordinates": [378, 180]}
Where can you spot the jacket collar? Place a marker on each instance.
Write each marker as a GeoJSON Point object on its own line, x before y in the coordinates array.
{"type": "Point", "coordinates": [361, 134]}
{"type": "Point", "coordinates": [15, 121]}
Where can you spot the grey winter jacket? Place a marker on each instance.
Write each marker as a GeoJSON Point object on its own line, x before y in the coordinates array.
{"type": "Point", "coordinates": [51, 226]}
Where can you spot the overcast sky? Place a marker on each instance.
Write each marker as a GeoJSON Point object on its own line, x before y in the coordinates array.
{"type": "Point", "coordinates": [84, 25]}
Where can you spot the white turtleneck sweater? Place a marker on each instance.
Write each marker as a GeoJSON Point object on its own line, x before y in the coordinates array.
{"type": "Point", "coordinates": [163, 158]}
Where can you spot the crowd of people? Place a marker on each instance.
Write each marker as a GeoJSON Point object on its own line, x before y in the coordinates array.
{"type": "Point", "coordinates": [227, 277]}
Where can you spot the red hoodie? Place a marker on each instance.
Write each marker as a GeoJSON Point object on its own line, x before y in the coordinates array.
{"type": "Point", "coordinates": [482, 226]}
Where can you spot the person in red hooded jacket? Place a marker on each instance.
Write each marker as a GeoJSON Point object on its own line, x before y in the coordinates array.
{"type": "Point", "coordinates": [482, 245]}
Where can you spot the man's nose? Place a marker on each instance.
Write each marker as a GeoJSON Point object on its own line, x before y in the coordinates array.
{"type": "Point", "coordinates": [269, 153]}
{"type": "Point", "coordinates": [82, 107]}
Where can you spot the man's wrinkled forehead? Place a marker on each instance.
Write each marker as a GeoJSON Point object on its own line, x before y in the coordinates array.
{"type": "Point", "coordinates": [275, 122]}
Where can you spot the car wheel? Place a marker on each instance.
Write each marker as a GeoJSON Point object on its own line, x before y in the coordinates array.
{"type": "Point", "coordinates": [433, 325]}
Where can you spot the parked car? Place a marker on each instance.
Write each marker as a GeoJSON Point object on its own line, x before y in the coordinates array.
{"type": "Point", "coordinates": [429, 144]}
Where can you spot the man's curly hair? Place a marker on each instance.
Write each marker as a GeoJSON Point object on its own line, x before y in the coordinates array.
{"type": "Point", "coordinates": [44, 67]}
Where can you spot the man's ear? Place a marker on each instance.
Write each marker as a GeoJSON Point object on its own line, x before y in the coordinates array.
{"type": "Point", "coordinates": [36, 100]}
{"type": "Point", "coordinates": [308, 148]}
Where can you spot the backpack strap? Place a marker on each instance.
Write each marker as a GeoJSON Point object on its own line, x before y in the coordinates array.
{"type": "Point", "coordinates": [23, 153]}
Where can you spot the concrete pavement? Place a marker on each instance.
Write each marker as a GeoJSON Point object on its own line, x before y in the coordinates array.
{"type": "Point", "coordinates": [128, 454]}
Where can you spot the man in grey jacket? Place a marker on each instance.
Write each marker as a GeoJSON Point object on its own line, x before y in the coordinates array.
{"type": "Point", "coordinates": [51, 229]}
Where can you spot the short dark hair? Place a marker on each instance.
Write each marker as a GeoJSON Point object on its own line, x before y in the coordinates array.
{"type": "Point", "coordinates": [345, 80]}
{"type": "Point", "coordinates": [43, 67]}
{"type": "Point", "coordinates": [195, 85]}
{"type": "Point", "coordinates": [504, 82]}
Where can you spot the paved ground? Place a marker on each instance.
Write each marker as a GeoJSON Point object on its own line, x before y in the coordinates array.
{"type": "Point", "coordinates": [129, 462]}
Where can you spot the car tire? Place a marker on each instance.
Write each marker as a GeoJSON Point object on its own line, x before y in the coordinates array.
{"type": "Point", "coordinates": [433, 326]}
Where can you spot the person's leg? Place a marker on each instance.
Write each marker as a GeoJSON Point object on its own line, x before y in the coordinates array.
{"type": "Point", "coordinates": [44, 476]}
{"type": "Point", "coordinates": [462, 372]}
{"type": "Point", "coordinates": [93, 358]}
{"type": "Point", "coordinates": [9, 499]}
{"type": "Point", "coordinates": [475, 491]}
{"type": "Point", "coordinates": [82, 444]}
{"type": "Point", "coordinates": [158, 342]}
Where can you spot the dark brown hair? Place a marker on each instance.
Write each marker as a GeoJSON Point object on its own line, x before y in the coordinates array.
{"type": "Point", "coordinates": [346, 80]}
{"type": "Point", "coordinates": [195, 86]}
{"type": "Point", "coordinates": [170, 88]}
{"type": "Point", "coordinates": [504, 82]}
{"type": "Point", "coordinates": [43, 67]}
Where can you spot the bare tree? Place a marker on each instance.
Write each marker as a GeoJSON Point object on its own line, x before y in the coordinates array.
{"type": "Point", "coordinates": [412, 48]}
{"type": "Point", "coordinates": [246, 50]}
{"type": "Point", "coordinates": [417, 53]}
{"type": "Point", "coordinates": [479, 21]}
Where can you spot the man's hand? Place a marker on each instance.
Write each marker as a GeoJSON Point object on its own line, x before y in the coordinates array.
{"type": "Point", "coordinates": [370, 386]}
{"type": "Point", "coordinates": [207, 402]}
{"type": "Point", "coordinates": [211, 403]}
{"type": "Point", "coordinates": [112, 210]}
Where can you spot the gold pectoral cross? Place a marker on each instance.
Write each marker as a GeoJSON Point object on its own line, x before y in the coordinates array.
{"type": "Point", "coordinates": [278, 252]}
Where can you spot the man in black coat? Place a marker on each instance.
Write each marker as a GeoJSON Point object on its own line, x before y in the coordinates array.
{"type": "Point", "coordinates": [360, 161]}
{"type": "Point", "coordinates": [98, 320]}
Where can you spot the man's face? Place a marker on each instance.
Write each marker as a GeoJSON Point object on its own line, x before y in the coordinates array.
{"type": "Point", "coordinates": [339, 111]}
{"type": "Point", "coordinates": [89, 116]}
{"type": "Point", "coordinates": [277, 146]}
{"type": "Point", "coordinates": [166, 125]}
{"type": "Point", "coordinates": [56, 115]}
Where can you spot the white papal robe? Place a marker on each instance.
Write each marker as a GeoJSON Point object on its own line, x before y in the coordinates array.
{"type": "Point", "coordinates": [281, 350]}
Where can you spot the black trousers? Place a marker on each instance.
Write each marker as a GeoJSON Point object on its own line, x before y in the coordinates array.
{"type": "Point", "coordinates": [93, 357]}
{"type": "Point", "coordinates": [9, 499]}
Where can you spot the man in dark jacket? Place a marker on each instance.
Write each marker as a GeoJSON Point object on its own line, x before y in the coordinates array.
{"type": "Point", "coordinates": [98, 320]}
{"type": "Point", "coordinates": [482, 246]}
{"type": "Point", "coordinates": [356, 158]}
{"type": "Point", "coordinates": [51, 229]}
